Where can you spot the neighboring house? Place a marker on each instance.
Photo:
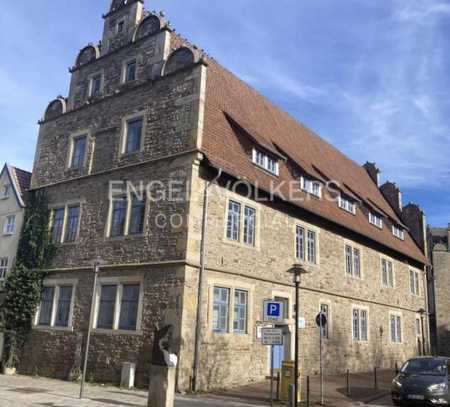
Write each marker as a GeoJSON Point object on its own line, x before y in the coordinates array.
{"type": "Point", "coordinates": [440, 254]}
{"type": "Point", "coordinates": [14, 184]}
{"type": "Point", "coordinates": [150, 109]}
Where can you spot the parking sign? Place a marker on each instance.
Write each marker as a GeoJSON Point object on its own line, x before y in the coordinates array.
{"type": "Point", "coordinates": [273, 311]}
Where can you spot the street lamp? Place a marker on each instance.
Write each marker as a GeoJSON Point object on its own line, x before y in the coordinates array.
{"type": "Point", "coordinates": [422, 312]}
{"type": "Point", "coordinates": [297, 270]}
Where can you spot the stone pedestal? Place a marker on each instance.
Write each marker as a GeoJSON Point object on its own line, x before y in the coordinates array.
{"type": "Point", "coordinates": [162, 386]}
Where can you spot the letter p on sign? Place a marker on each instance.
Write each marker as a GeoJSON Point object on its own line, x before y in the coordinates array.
{"type": "Point", "coordinates": [273, 311]}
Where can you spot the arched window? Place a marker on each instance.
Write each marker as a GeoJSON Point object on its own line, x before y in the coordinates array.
{"type": "Point", "coordinates": [179, 59]}
{"type": "Point", "coordinates": [149, 25]}
{"type": "Point", "coordinates": [55, 108]}
{"type": "Point", "coordinates": [87, 54]}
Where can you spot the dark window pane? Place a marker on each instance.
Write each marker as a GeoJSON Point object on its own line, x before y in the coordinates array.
{"type": "Point", "coordinates": [79, 150]}
{"type": "Point", "coordinates": [134, 135]}
{"type": "Point", "coordinates": [58, 221]}
{"type": "Point", "coordinates": [129, 307]}
{"type": "Point", "coordinates": [106, 309]}
{"type": "Point", "coordinates": [72, 223]}
{"type": "Point", "coordinates": [234, 220]}
{"type": "Point", "coordinates": [96, 85]}
{"type": "Point", "coordinates": [63, 310]}
{"type": "Point", "coordinates": [137, 215]}
{"type": "Point", "coordinates": [119, 212]}
{"type": "Point", "coordinates": [131, 71]}
{"type": "Point", "coordinates": [45, 315]}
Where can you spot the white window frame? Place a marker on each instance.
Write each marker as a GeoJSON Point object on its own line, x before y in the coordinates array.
{"type": "Point", "coordinates": [306, 230]}
{"type": "Point", "coordinates": [398, 336]}
{"type": "Point", "coordinates": [347, 205]}
{"type": "Point", "coordinates": [124, 132]}
{"type": "Point", "coordinates": [352, 273]}
{"type": "Point", "coordinates": [91, 84]}
{"type": "Point", "coordinates": [360, 309]}
{"type": "Point", "coordinates": [6, 191]}
{"type": "Point", "coordinates": [71, 150]}
{"type": "Point", "coordinates": [388, 261]}
{"type": "Point", "coordinates": [129, 196]}
{"type": "Point", "coordinates": [232, 287]}
{"type": "Point", "coordinates": [376, 220]}
{"type": "Point", "coordinates": [9, 227]}
{"type": "Point", "coordinates": [125, 65]}
{"type": "Point", "coordinates": [57, 284]}
{"type": "Point", "coordinates": [4, 267]}
{"type": "Point", "coordinates": [65, 206]}
{"type": "Point", "coordinates": [119, 282]}
{"type": "Point", "coordinates": [257, 154]}
{"type": "Point", "coordinates": [398, 232]}
{"type": "Point", "coordinates": [414, 282]}
{"type": "Point", "coordinates": [311, 186]}
{"type": "Point", "coordinates": [244, 203]}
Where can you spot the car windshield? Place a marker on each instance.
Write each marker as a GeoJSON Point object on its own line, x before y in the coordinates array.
{"type": "Point", "coordinates": [435, 367]}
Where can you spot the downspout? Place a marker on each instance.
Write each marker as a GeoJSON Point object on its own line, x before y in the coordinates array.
{"type": "Point", "coordinates": [199, 320]}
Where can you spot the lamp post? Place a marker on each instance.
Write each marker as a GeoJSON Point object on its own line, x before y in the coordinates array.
{"type": "Point", "coordinates": [297, 270]}
{"type": "Point", "coordinates": [422, 312]}
{"type": "Point", "coordinates": [95, 269]}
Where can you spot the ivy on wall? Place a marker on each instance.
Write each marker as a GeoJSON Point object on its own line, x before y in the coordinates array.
{"type": "Point", "coordinates": [23, 285]}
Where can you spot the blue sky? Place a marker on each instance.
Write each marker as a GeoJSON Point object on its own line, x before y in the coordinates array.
{"type": "Point", "coordinates": [372, 77]}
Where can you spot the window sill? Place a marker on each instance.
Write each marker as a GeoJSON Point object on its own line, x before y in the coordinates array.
{"type": "Point", "coordinates": [115, 332]}
{"type": "Point", "coordinates": [307, 264]}
{"type": "Point", "coordinates": [353, 277]}
{"type": "Point", "coordinates": [130, 154]}
{"type": "Point", "coordinates": [240, 244]}
{"type": "Point", "coordinates": [52, 328]}
{"type": "Point", "coordinates": [125, 237]}
{"type": "Point", "coordinates": [8, 234]}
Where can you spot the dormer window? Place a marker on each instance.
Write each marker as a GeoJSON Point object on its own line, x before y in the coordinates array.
{"type": "Point", "coordinates": [311, 187]}
{"type": "Point", "coordinates": [263, 160]}
{"type": "Point", "coordinates": [376, 220]}
{"type": "Point", "coordinates": [347, 205]}
{"type": "Point", "coordinates": [398, 232]}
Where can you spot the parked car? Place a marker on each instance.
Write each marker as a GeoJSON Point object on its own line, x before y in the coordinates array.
{"type": "Point", "coordinates": [422, 381]}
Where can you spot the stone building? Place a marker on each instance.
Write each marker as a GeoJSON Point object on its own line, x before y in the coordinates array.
{"type": "Point", "coordinates": [14, 183]}
{"type": "Point", "coordinates": [186, 183]}
{"type": "Point", "coordinates": [440, 255]}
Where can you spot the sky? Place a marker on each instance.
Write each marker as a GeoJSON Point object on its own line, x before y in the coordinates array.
{"type": "Point", "coordinates": [371, 77]}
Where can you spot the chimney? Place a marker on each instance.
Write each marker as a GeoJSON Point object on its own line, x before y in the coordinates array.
{"type": "Point", "coordinates": [393, 195]}
{"type": "Point", "coordinates": [414, 218]}
{"type": "Point", "coordinates": [373, 172]}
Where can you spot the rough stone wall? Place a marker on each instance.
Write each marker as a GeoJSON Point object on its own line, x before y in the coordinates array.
{"type": "Point", "coordinates": [231, 359]}
{"type": "Point", "coordinates": [441, 265]}
{"type": "Point", "coordinates": [52, 352]}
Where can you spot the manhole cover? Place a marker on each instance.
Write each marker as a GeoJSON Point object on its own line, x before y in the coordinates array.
{"type": "Point", "coordinates": [28, 390]}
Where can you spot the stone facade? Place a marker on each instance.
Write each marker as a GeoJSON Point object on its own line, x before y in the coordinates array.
{"type": "Point", "coordinates": [440, 241]}
{"type": "Point", "coordinates": [167, 90]}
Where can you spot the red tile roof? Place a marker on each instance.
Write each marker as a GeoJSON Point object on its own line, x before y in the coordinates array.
{"type": "Point", "coordinates": [233, 109]}
{"type": "Point", "coordinates": [21, 181]}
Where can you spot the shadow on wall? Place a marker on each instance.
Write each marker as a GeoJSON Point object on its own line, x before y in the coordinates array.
{"type": "Point", "coordinates": [443, 336]}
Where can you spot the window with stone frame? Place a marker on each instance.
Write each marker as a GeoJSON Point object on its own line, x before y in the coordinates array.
{"type": "Point", "coordinates": [221, 306]}
{"type": "Point", "coordinates": [118, 216]}
{"type": "Point", "coordinates": [57, 224]}
{"type": "Point", "coordinates": [96, 86]}
{"type": "Point", "coordinates": [3, 267]}
{"type": "Point", "coordinates": [352, 261]}
{"type": "Point", "coordinates": [130, 71]}
{"type": "Point", "coordinates": [360, 323]}
{"type": "Point", "coordinates": [73, 219]}
{"type": "Point", "coordinates": [306, 245]}
{"type": "Point", "coordinates": [118, 306]}
{"type": "Point", "coordinates": [234, 220]}
{"type": "Point", "coordinates": [395, 328]}
{"type": "Point", "coordinates": [78, 152]}
{"type": "Point", "coordinates": [55, 310]}
{"type": "Point", "coordinates": [133, 135]}
{"type": "Point", "coordinates": [241, 223]}
{"type": "Point", "coordinates": [387, 274]}
{"type": "Point", "coordinates": [249, 225]}
{"type": "Point", "coordinates": [10, 225]}
{"type": "Point", "coordinates": [240, 311]}
{"type": "Point", "coordinates": [414, 277]}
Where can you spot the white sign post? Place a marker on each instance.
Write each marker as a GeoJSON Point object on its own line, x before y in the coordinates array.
{"type": "Point", "coordinates": [272, 337]}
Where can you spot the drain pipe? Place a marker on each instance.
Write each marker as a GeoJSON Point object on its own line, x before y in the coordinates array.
{"type": "Point", "coordinates": [199, 321]}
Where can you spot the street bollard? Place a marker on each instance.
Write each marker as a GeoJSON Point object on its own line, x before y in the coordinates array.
{"type": "Point", "coordinates": [278, 385]}
{"type": "Point", "coordinates": [307, 391]}
{"type": "Point", "coordinates": [348, 383]}
{"type": "Point", "coordinates": [291, 395]}
{"type": "Point", "coordinates": [375, 377]}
